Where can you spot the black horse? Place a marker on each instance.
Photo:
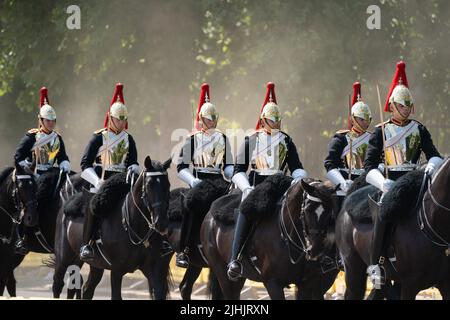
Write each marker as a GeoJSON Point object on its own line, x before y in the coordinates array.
{"type": "Point", "coordinates": [18, 203]}
{"type": "Point", "coordinates": [418, 251]}
{"type": "Point", "coordinates": [194, 204]}
{"type": "Point", "coordinates": [282, 247]}
{"type": "Point", "coordinates": [130, 235]}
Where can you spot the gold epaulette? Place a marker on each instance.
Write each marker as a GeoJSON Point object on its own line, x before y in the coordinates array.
{"type": "Point", "coordinates": [34, 130]}
{"type": "Point", "coordinates": [99, 130]}
{"type": "Point", "coordinates": [343, 131]}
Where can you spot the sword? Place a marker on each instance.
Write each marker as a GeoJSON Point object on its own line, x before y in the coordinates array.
{"type": "Point", "coordinates": [350, 138]}
{"type": "Point", "coordinates": [382, 133]}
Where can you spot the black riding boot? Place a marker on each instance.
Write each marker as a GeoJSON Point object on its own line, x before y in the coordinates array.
{"type": "Point", "coordinates": [182, 259]}
{"type": "Point", "coordinates": [21, 246]}
{"type": "Point", "coordinates": [89, 229]}
{"type": "Point", "coordinates": [240, 235]}
{"type": "Point", "coordinates": [376, 270]}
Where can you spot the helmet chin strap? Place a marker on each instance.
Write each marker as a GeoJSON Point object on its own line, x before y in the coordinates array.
{"type": "Point", "coordinates": [43, 127]}
{"type": "Point", "coordinates": [267, 128]}
{"type": "Point", "coordinates": [397, 117]}
{"type": "Point", "coordinates": [356, 127]}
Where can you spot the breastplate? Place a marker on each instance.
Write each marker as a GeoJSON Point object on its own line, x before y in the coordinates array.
{"type": "Point", "coordinates": [359, 149]}
{"type": "Point", "coordinates": [46, 153]}
{"type": "Point", "coordinates": [270, 152]}
{"type": "Point", "coordinates": [209, 150]}
{"type": "Point", "coordinates": [117, 151]}
{"type": "Point", "coordinates": [402, 144]}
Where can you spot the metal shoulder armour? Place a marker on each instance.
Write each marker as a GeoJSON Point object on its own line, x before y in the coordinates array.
{"type": "Point", "coordinates": [270, 152]}
{"type": "Point", "coordinates": [402, 145]}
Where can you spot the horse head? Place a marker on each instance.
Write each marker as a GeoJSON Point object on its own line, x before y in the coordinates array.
{"type": "Point", "coordinates": [156, 193]}
{"type": "Point", "coordinates": [317, 215]}
{"type": "Point", "coordinates": [25, 195]}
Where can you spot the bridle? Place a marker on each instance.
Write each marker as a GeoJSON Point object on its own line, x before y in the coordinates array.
{"type": "Point", "coordinates": [148, 207]}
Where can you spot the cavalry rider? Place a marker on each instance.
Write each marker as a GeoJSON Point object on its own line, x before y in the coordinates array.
{"type": "Point", "coordinates": [268, 151]}
{"type": "Point", "coordinates": [111, 150]}
{"type": "Point", "coordinates": [340, 159]}
{"type": "Point", "coordinates": [44, 146]}
{"type": "Point", "coordinates": [209, 151]}
{"type": "Point", "coordinates": [404, 140]}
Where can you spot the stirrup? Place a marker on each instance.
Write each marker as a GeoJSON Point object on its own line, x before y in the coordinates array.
{"type": "Point", "coordinates": [21, 248]}
{"type": "Point", "coordinates": [86, 253]}
{"type": "Point", "coordinates": [182, 260]}
{"type": "Point", "coordinates": [377, 275]}
{"type": "Point", "coordinates": [232, 272]}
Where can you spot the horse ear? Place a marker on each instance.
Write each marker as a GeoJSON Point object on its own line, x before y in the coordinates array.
{"type": "Point", "coordinates": [308, 188]}
{"type": "Point", "coordinates": [167, 163]}
{"type": "Point", "coordinates": [148, 163]}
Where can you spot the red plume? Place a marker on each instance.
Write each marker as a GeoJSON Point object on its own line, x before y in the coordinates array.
{"type": "Point", "coordinates": [356, 93]}
{"type": "Point", "coordinates": [204, 95]}
{"type": "Point", "coordinates": [117, 96]}
{"type": "Point", "coordinates": [270, 97]}
{"type": "Point", "coordinates": [399, 78]}
{"type": "Point", "coordinates": [44, 97]}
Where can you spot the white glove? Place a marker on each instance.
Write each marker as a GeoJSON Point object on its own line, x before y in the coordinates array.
{"type": "Point", "coordinates": [186, 176]}
{"type": "Point", "coordinates": [387, 185]}
{"type": "Point", "coordinates": [65, 166]}
{"type": "Point", "coordinates": [195, 182]}
{"type": "Point", "coordinates": [25, 164]}
{"type": "Point", "coordinates": [246, 192]}
{"type": "Point", "coordinates": [228, 172]}
{"type": "Point", "coordinates": [432, 165]}
{"type": "Point", "coordinates": [135, 169]}
{"type": "Point", "coordinates": [298, 175]}
{"type": "Point", "coordinates": [90, 176]}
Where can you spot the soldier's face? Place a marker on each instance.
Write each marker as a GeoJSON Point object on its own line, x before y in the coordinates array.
{"type": "Point", "coordinates": [401, 112]}
{"type": "Point", "coordinates": [118, 125]}
{"type": "Point", "coordinates": [210, 124]}
{"type": "Point", "coordinates": [49, 125]}
{"type": "Point", "coordinates": [364, 124]}
{"type": "Point", "coordinates": [270, 125]}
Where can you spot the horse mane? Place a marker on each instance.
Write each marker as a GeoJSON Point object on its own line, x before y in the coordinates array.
{"type": "Point", "coordinates": [263, 200]}
{"type": "Point", "coordinates": [45, 186]}
{"type": "Point", "coordinates": [222, 209]}
{"type": "Point", "coordinates": [175, 212]}
{"type": "Point", "coordinates": [5, 174]}
{"type": "Point", "coordinates": [112, 191]}
{"type": "Point", "coordinates": [199, 199]}
{"type": "Point", "coordinates": [358, 183]}
{"type": "Point", "coordinates": [401, 200]}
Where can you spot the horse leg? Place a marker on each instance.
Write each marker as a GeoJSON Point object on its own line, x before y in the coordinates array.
{"type": "Point", "coordinates": [408, 293]}
{"type": "Point", "coordinates": [11, 284]}
{"type": "Point", "coordinates": [2, 286]}
{"type": "Point", "coordinates": [355, 278]}
{"type": "Point", "coordinates": [189, 278]}
{"type": "Point", "coordinates": [95, 276]}
{"type": "Point", "coordinates": [274, 289]}
{"type": "Point", "coordinates": [116, 284]}
{"type": "Point", "coordinates": [214, 287]}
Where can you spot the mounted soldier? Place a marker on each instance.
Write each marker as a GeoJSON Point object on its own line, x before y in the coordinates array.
{"type": "Point", "coordinates": [267, 151]}
{"type": "Point", "coordinates": [111, 150]}
{"type": "Point", "coordinates": [209, 152]}
{"type": "Point", "coordinates": [396, 147]}
{"type": "Point", "coordinates": [347, 149]}
{"type": "Point", "coordinates": [45, 147]}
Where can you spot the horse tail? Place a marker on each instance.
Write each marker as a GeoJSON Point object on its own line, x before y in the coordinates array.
{"type": "Point", "coordinates": [50, 262]}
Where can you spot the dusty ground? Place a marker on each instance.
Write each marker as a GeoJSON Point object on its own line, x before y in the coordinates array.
{"type": "Point", "coordinates": [34, 281]}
